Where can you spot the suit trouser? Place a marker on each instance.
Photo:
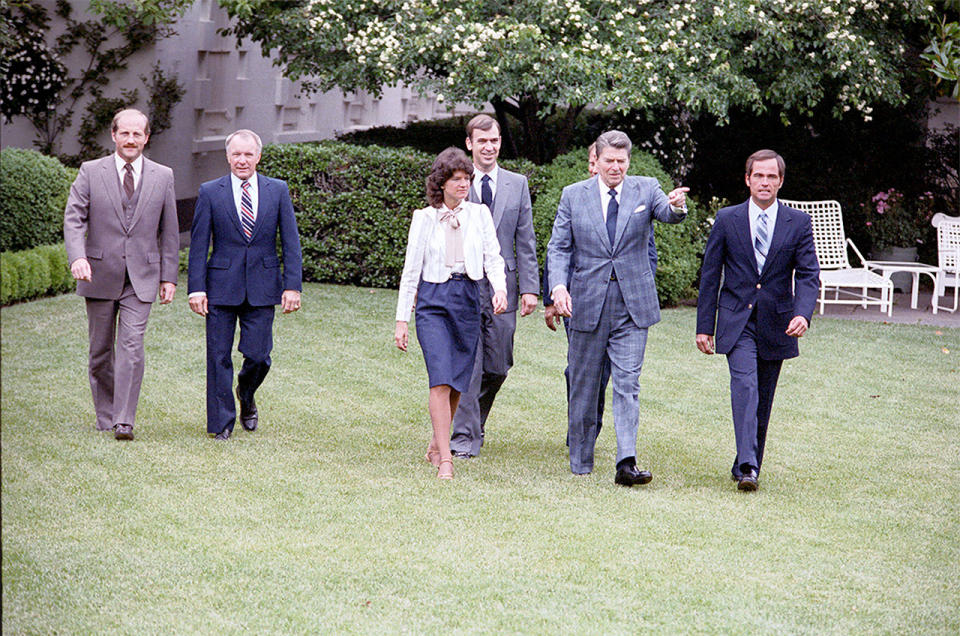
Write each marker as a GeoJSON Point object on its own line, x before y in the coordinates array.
{"type": "Point", "coordinates": [116, 329]}
{"type": "Point", "coordinates": [618, 337]}
{"type": "Point", "coordinates": [604, 380]}
{"type": "Point", "coordinates": [256, 342]}
{"type": "Point", "coordinates": [493, 360]}
{"type": "Point", "coordinates": [753, 382]}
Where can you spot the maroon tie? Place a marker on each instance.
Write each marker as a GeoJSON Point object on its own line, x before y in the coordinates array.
{"type": "Point", "coordinates": [128, 180]}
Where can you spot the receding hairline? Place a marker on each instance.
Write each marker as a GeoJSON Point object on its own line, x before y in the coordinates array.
{"type": "Point", "coordinates": [243, 132]}
{"type": "Point", "coordinates": [115, 124]}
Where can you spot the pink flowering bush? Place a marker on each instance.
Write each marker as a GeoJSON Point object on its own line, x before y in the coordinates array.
{"type": "Point", "coordinates": [892, 220]}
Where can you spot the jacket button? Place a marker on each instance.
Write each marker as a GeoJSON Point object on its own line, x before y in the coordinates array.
{"type": "Point", "coordinates": [758, 285]}
{"type": "Point", "coordinates": [750, 306]}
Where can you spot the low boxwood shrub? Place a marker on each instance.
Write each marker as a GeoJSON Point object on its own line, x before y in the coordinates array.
{"type": "Point", "coordinates": [28, 274]}
{"type": "Point", "coordinates": [354, 205]}
{"type": "Point", "coordinates": [33, 194]}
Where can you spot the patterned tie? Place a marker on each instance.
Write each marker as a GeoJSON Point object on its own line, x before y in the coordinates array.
{"type": "Point", "coordinates": [128, 180]}
{"type": "Point", "coordinates": [246, 209]}
{"type": "Point", "coordinates": [612, 209]}
{"type": "Point", "coordinates": [486, 194]}
{"type": "Point", "coordinates": [761, 244]}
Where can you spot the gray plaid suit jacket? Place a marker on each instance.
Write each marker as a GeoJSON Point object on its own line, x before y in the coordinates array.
{"type": "Point", "coordinates": [580, 237]}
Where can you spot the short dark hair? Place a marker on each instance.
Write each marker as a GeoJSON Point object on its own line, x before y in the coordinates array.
{"type": "Point", "coordinates": [481, 122]}
{"type": "Point", "coordinates": [446, 163]}
{"type": "Point", "coordinates": [124, 111]}
{"type": "Point", "coordinates": [614, 139]}
{"type": "Point", "coordinates": [763, 155]}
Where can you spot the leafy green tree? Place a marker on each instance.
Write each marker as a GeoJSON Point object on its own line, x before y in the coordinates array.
{"type": "Point", "coordinates": [37, 85]}
{"type": "Point", "coordinates": [541, 59]}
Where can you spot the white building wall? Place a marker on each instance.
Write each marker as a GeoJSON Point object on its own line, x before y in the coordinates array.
{"type": "Point", "coordinates": [230, 87]}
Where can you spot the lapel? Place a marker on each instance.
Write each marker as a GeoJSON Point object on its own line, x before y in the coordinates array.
{"type": "Point", "coordinates": [110, 179]}
{"type": "Point", "coordinates": [780, 231]}
{"type": "Point", "coordinates": [741, 226]}
{"type": "Point", "coordinates": [500, 198]}
{"type": "Point", "coordinates": [148, 184]}
{"type": "Point", "coordinates": [629, 200]}
{"type": "Point", "coordinates": [228, 205]}
{"type": "Point", "coordinates": [591, 194]}
{"type": "Point", "coordinates": [264, 191]}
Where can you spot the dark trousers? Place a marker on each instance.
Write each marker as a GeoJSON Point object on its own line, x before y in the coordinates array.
{"type": "Point", "coordinates": [256, 342]}
{"type": "Point", "coordinates": [753, 382]}
{"type": "Point", "coordinates": [116, 329]}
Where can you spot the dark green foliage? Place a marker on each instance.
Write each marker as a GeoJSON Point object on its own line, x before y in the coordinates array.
{"type": "Point", "coordinates": [9, 277]}
{"type": "Point", "coordinates": [679, 247]}
{"type": "Point", "coordinates": [33, 194]}
{"type": "Point", "coordinates": [354, 205]}
{"type": "Point", "coordinates": [430, 136]}
{"type": "Point", "coordinates": [33, 273]}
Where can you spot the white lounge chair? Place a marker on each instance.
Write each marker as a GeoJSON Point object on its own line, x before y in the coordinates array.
{"type": "Point", "coordinates": [948, 251]}
{"type": "Point", "coordinates": [837, 277]}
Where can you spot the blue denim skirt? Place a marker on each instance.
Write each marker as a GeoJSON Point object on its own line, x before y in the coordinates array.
{"type": "Point", "coordinates": [448, 329]}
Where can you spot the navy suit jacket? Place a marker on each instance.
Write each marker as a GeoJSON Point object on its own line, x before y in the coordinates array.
{"type": "Point", "coordinates": [238, 269]}
{"type": "Point", "coordinates": [787, 287]}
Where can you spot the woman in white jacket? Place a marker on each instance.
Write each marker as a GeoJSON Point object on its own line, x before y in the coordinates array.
{"type": "Point", "coordinates": [451, 245]}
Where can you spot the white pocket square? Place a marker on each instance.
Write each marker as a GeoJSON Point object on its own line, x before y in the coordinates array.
{"type": "Point", "coordinates": [640, 208]}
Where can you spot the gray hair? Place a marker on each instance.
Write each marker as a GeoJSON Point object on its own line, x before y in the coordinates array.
{"type": "Point", "coordinates": [243, 132]}
{"type": "Point", "coordinates": [614, 139]}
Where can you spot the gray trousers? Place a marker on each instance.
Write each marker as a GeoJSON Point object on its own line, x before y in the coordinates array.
{"type": "Point", "coordinates": [493, 360]}
{"type": "Point", "coordinates": [624, 343]}
{"type": "Point", "coordinates": [116, 329]}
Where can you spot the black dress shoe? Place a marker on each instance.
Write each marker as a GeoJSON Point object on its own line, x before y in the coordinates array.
{"type": "Point", "coordinates": [748, 481]}
{"type": "Point", "coordinates": [123, 431]}
{"type": "Point", "coordinates": [628, 475]}
{"type": "Point", "coordinates": [223, 435]}
{"type": "Point", "coordinates": [248, 413]}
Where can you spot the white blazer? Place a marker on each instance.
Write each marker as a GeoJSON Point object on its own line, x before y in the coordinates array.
{"type": "Point", "coordinates": [426, 252]}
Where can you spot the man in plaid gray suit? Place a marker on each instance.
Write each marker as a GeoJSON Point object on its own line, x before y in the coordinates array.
{"type": "Point", "coordinates": [603, 225]}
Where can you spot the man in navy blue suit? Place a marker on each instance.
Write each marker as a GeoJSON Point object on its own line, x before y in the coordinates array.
{"type": "Point", "coordinates": [764, 254]}
{"type": "Point", "coordinates": [242, 213]}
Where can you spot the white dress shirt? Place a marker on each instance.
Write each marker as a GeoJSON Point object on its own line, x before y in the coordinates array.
{"type": "Point", "coordinates": [754, 212]}
{"type": "Point", "coordinates": [605, 195]}
{"type": "Point", "coordinates": [478, 180]}
{"type": "Point", "coordinates": [427, 247]}
{"type": "Point", "coordinates": [137, 169]}
{"type": "Point", "coordinates": [235, 183]}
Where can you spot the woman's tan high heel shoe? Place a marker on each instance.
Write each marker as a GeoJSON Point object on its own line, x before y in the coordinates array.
{"type": "Point", "coordinates": [445, 474]}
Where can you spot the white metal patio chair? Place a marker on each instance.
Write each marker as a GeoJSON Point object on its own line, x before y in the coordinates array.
{"type": "Point", "coordinates": [837, 277]}
{"type": "Point", "coordinates": [948, 251]}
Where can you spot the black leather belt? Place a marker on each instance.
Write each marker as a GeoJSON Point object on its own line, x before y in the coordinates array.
{"type": "Point", "coordinates": [456, 276]}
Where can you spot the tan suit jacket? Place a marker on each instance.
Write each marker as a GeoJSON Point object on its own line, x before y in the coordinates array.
{"type": "Point", "coordinates": [95, 228]}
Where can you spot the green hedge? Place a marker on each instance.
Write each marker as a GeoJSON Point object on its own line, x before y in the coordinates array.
{"type": "Point", "coordinates": [354, 205]}
{"type": "Point", "coordinates": [33, 194]}
{"type": "Point", "coordinates": [679, 247]}
{"type": "Point", "coordinates": [32, 273]}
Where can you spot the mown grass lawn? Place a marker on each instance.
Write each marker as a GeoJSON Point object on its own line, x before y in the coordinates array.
{"type": "Point", "coordinates": [327, 519]}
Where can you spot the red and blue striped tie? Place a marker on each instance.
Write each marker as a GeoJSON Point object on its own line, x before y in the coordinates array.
{"type": "Point", "coordinates": [247, 218]}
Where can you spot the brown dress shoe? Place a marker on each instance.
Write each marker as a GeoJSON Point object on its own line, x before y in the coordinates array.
{"type": "Point", "coordinates": [123, 431]}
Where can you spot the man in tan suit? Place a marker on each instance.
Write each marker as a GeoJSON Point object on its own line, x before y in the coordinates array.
{"type": "Point", "coordinates": [121, 233]}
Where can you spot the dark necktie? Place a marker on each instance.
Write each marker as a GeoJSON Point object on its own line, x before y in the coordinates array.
{"type": "Point", "coordinates": [486, 194]}
{"type": "Point", "coordinates": [246, 209]}
{"type": "Point", "coordinates": [612, 209]}
{"type": "Point", "coordinates": [760, 244]}
{"type": "Point", "coordinates": [128, 180]}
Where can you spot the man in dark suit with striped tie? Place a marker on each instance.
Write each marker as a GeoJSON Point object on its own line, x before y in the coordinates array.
{"type": "Point", "coordinates": [242, 214]}
{"type": "Point", "coordinates": [758, 286]}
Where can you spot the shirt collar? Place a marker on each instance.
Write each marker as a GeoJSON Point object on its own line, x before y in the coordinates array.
{"type": "Point", "coordinates": [771, 212]}
{"type": "Point", "coordinates": [605, 189]}
{"type": "Point", "coordinates": [237, 181]}
{"type": "Point", "coordinates": [136, 163]}
{"type": "Point", "coordinates": [493, 174]}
